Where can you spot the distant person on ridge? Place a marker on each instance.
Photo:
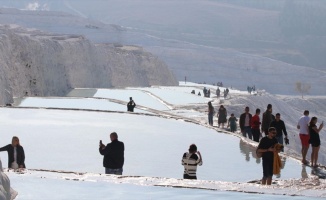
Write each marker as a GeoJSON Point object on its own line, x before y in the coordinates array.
{"type": "Point", "coordinates": [218, 92]}
{"type": "Point", "coordinates": [255, 126]}
{"type": "Point", "coordinates": [131, 105]}
{"type": "Point", "coordinates": [113, 155]}
{"type": "Point", "coordinates": [279, 125]}
{"type": "Point", "coordinates": [205, 92]}
{"type": "Point", "coordinates": [245, 123]}
{"type": "Point", "coordinates": [190, 160]}
{"type": "Point", "coordinates": [210, 113]}
{"type": "Point", "coordinates": [304, 135]}
{"type": "Point", "coordinates": [267, 119]}
{"type": "Point", "coordinates": [226, 92]}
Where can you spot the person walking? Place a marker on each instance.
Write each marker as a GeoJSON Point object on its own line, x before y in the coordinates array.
{"type": "Point", "coordinates": [267, 119]}
{"type": "Point", "coordinates": [190, 160]}
{"type": "Point", "coordinates": [255, 126]}
{"type": "Point", "coordinates": [245, 122]}
{"type": "Point", "coordinates": [314, 140]}
{"type": "Point", "coordinates": [232, 123]}
{"type": "Point", "coordinates": [304, 135]}
{"type": "Point", "coordinates": [210, 113]}
{"type": "Point", "coordinates": [266, 148]}
{"type": "Point", "coordinates": [131, 105]}
{"type": "Point", "coordinates": [218, 92]}
{"type": "Point", "coordinates": [279, 125]}
{"type": "Point", "coordinates": [16, 154]}
{"type": "Point", "coordinates": [113, 155]}
{"type": "Point", "coordinates": [221, 116]}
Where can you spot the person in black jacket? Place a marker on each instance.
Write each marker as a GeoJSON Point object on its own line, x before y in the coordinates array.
{"type": "Point", "coordinates": [131, 105]}
{"type": "Point", "coordinates": [16, 154]}
{"type": "Point", "coordinates": [113, 155]}
{"type": "Point", "coordinates": [245, 123]}
{"type": "Point", "coordinates": [267, 119]}
{"type": "Point", "coordinates": [279, 125]}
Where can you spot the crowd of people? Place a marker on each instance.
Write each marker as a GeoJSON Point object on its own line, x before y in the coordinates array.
{"type": "Point", "coordinates": [269, 131]}
{"type": "Point", "coordinates": [250, 126]}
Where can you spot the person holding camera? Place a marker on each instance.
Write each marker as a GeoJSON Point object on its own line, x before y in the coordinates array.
{"type": "Point", "coordinates": [314, 140]}
{"type": "Point", "coordinates": [113, 155]}
{"type": "Point", "coordinates": [190, 160]}
{"type": "Point", "coordinates": [131, 105]}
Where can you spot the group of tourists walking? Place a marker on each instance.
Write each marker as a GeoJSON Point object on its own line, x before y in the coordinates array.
{"type": "Point", "coordinates": [268, 148]}
{"type": "Point", "coordinates": [269, 131]}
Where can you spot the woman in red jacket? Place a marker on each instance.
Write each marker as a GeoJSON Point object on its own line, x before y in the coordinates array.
{"type": "Point", "coordinates": [255, 125]}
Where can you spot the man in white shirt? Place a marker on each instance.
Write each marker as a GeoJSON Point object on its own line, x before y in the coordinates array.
{"type": "Point", "coordinates": [304, 134]}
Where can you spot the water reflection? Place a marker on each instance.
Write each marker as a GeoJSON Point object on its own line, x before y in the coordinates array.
{"type": "Point", "coordinates": [283, 160]}
{"type": "Point", "coordinates": [246, 149]}
{"type": "Point", "coordinates": [304, 173]}
{"type": "Point", "coordinates": [293, 168]}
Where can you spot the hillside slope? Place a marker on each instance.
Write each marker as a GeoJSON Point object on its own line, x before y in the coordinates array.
{"type": "Point", "coordinates": [35, 63]}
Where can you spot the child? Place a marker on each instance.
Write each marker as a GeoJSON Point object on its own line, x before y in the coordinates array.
{"type": "Point", "coordinates": [232, 123]}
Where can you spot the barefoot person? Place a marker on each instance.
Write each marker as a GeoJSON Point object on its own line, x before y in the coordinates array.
{"type": "Point", "coordinates": [314, 140]}
{"type": "Point", "coordinates": [131, 105]}
{"type": "Point", "coordinates": [266, 147]}
{"type": "Point", "coordinates": [304, 135]}
{"type": "Point", "coordinates": [245, 121]}
{"type": "Point", "coordinates": [190, 160]}
{"type": "Point", "coordinates": [210, 113]}
{"type": "Point", "coordinates": [16, 154]}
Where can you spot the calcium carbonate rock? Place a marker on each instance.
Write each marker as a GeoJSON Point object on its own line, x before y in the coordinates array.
{"type": "Point", "coordinates": [35, 63]}
{"type": "Point", "coordinates": [6, 193]}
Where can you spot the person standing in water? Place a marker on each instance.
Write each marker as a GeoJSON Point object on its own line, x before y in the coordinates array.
{"type": "Point", "coordinates": [131, 105]}
{"type": "Point", "coordinates": [190, 160]}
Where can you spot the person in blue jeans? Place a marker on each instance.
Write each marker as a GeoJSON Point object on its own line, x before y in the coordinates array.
{"type": "Point", "coordinates": [245, 123]}
{"type": "Point", "coordinates": [279, 125]}
{"type": "Point", "coordinates": [113, 155]}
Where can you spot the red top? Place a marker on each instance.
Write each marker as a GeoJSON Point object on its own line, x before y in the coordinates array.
{"type": "Point", "coordinates": [255, 122]}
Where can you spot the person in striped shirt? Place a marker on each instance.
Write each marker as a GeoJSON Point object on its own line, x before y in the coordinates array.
{"type": "Point", "coordinates": [190, 160]}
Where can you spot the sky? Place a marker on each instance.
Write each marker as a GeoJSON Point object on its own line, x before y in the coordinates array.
{"type": "Point", "coordinates": [203, 54]}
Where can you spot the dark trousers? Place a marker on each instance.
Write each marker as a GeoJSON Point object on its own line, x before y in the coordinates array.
{"type": "Point", "coordinates": [267, 167]}
{"type": "Point", "coordinates": [255, 134]}
{"type": "Point", "coordinates": [186, 176]}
